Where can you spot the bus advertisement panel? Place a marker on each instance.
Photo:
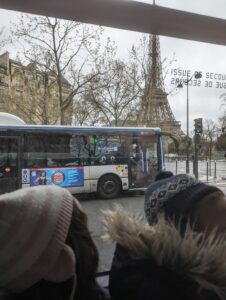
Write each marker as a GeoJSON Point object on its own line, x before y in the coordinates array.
{"type": "Point", "coordinates": [64, 177]}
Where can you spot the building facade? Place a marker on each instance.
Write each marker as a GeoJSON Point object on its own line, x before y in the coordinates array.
{"type": "Point", "coordinates": [30, 94]}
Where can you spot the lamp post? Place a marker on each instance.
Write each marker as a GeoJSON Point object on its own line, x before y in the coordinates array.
{"type": "Point", "coordinates": [197, 75]}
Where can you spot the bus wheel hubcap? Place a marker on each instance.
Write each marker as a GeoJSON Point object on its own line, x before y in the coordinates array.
{"type": "Point", "coordinates": [109, 186]}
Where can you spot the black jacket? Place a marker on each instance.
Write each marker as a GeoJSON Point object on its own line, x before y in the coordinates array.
{"type": "Point", "coordinates": [157, 263]}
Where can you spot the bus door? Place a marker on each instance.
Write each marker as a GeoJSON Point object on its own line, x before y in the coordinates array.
{"type": "Point", "coordinates": [143, 162]}
{"type": "Point", "coordinates": [151, 158]}
{"type": "Point", "coordinates": [9, 159]}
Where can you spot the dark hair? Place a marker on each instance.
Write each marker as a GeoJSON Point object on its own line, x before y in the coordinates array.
{"type": "Point", "coordinates": [80, 240]}
{"type": "Point", "coordinates": [195, 209]}
{"type": "Point", "coordinates": [163, 175]}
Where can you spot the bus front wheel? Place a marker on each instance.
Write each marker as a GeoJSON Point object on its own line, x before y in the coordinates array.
{"type": "Point", "coordinates": [109, 186]}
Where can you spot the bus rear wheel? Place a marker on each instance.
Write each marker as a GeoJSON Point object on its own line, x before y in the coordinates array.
{"type": "Point", "coordinates": [109, 187]}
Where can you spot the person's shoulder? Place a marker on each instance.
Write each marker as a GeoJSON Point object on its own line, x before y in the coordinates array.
{"type": "Point", "coordinates": [105, 295]}
{"type": "Point", "coordinates": [6, 296]}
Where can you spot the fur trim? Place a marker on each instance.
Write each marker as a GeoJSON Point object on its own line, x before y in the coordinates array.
{"type": "Point", "coordinates": [195, 255]}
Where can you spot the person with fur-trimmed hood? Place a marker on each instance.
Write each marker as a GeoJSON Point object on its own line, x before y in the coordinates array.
{"type": "Point", "coordinates": [178, 252]}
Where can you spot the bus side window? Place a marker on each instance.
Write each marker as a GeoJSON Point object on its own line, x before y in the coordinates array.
{"type": "Point", "coordinates": [54, 150]}
{"type": "Point", "coordinates": [80, 149]}
{"type": "Point", "coordinates": [34, 152]}
{"type": "Point", "coordinates": [108, 150]}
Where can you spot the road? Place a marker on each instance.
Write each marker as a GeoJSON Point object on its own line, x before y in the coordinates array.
{"type": "Point", "coordinates": [133, 203]}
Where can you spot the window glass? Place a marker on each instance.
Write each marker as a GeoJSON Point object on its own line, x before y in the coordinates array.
{"type": "Point", "coordinates": [143, 159]}
{"type": "Point", "coordinates": [55, 151]}
{"type": "Point", "coordinates": [8, 152]}
{"type": "Point", "coordinates": [8, 164]}
{"type": "Point", "coordinates": [75, 150]}
{"type": "Point", "coordinates": [107, 150]}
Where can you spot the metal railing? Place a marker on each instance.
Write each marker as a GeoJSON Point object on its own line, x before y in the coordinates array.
{"type": "Point", "coordinates": [208, 170]}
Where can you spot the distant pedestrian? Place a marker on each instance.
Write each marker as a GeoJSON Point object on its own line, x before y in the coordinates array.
{"type": "Point", "coordinates": [163, 175]}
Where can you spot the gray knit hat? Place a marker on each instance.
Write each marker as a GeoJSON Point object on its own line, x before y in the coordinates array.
{"type": "Point", "coordinates": [34, 224]}
{"type": "Point", "coordinates": [174, 197]}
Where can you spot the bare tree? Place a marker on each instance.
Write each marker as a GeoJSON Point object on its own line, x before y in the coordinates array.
{"type": "Point", "coordinates": [2, 43]}
{"type": "Point", "coordinates": [2, 40]}
{"type": "Point", "coordinates": [115, 93]}
{"type": "Point", "coordinates": [222, 119]}
{"type": "Point", "coordinates": [210, 132]}
{"type": "Point", "coordinates": [85, 112]}
{"type": "Point", "coordinates": [65, 49]}
{"type": "Point", "coordinates": [221, 139]}
{"type": "Point", "coordinates": [39, 106]}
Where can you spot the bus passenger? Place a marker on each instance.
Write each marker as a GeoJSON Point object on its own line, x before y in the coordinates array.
{"type": "Point", "coordinates": [179, 252]}
{"type": "Point", "coordinates": [46, 251]}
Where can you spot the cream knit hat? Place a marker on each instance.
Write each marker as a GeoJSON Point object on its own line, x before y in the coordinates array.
{"type": "Point", "coordinates": [34, 224]}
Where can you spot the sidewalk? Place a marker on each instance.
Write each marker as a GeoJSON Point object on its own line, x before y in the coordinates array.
{"type": "Point", "coordinates": [219, 182]}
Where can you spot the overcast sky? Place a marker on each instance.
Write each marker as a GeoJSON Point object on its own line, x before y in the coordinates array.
{"type": "Point", "coordinates": [204, 101]}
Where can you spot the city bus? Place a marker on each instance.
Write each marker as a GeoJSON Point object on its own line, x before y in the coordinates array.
{"type": "Point", "coordinates": [82, 159]}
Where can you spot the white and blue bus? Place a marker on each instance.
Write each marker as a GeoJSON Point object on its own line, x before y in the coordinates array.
{"type": "Point", "coordinates": [82, 159]}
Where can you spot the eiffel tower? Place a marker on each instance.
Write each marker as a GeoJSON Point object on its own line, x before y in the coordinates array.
{"type": "Point", "coordinates": [155, 110]}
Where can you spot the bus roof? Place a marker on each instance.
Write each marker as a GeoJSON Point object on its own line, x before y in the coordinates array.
{"type": "Point", "coordinates": [79, 129]}
{"type": "Point", "coordinates": [6, 118]}
{"type": "Point", "coordinates": [130, 15]}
